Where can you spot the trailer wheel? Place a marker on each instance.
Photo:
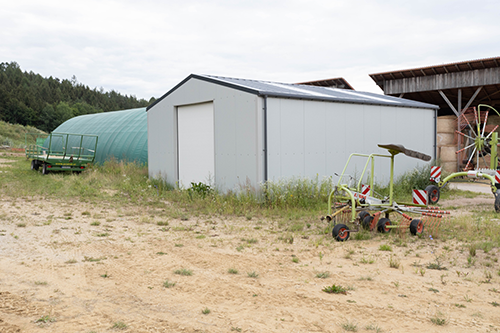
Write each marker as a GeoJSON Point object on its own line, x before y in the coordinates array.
{"type": "Point", "coordinates": [362, 215]}
{"type": "Point", "coordinates": [497, 201]}
{"type": "Point", "coordinates": [34, 165]}
{"type": "Point", "coordinates": [44, 169]}
{"type": "Point", "coordinates": [340, 232]}
{"type": "Point", "coordinates": [367, 222]}
{"type": "Point", "coordinates": [433, 194]}
{"type": "Point", "coordinates": [416, 227]}
{"type": "Point", "coordinates": [382, 225]}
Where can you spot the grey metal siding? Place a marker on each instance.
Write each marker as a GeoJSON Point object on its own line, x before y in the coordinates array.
{"type": "Point", "coordinates": [162, 135]}
{"type": "Point", "coordinates": [238, 137]}
{"type": "Point", "coordinates": [310, 138]}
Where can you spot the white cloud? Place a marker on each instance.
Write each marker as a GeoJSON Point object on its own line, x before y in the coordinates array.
{"type": "Point", "coordinates": [145, 48]}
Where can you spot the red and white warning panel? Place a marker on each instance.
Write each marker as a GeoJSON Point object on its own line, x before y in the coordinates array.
{"type": "Point", "coordinates": [497, 176]}
{"type": "Point", "coordinates": [365, 189]}
{"type": "Point", "coordinates": [435, 174]}
{"type": "Point", "coordinates": [420, 197]}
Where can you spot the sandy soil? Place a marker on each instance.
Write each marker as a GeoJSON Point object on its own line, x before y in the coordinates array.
{"type": "Point", "coordinates": [73, 267]}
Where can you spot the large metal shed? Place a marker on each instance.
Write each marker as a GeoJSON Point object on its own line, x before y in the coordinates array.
{"type": "Point", "coordinates": [236, 132]}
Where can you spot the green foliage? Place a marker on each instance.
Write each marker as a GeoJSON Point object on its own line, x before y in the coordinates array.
{"type": "Point", "coordinates": [334, 289]}
{"type": "Point", "coordinates": [120, 325]}
{"type": "Point", "coordinates": [200, 189]}
{"type": "Point", "coordinates": [253, 274]}
{"type": "Point", "coordinates": [439, 319]}
{"type": "Point", "coordinates": [323, 275]}
{"type": "Point", "coordinates": [297, 192]}
{"type": "Point", "coordinates": [168, 284]}
{"type": "Point", "coordinates": [45, 319]}
{"type": "Point", "coordinates": [416, 179]}
{"type": "Point", "coordinates": [183, 272]}
{"type": "Point", "coordinates": [45, 103]}
{"type": "Point", "coordinates": [385, 247]}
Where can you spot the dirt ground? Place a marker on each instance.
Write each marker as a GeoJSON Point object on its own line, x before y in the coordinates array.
{"type": "Point", "coordinates": [73, 267]}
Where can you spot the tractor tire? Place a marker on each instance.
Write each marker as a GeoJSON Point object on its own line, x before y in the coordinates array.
{"type": "Point", "coordinates": [362, 215]}
{"type": "Point", "coordinates": [34, 165]}
{"type": "Point", "coordinates": [340, 232]}
{"type": "Point", "coordinates": [497, 201]}
{"type": "Point", "coordinates": [416, 227]}
{"type": "Point", "coordinates": [382, 225]}
{"type": "Point", "coordinates": [367, 222]}
{"type": "Point", "coordinates": [433, 194]}
{"type": "Point", "coordinates": [45, 171]}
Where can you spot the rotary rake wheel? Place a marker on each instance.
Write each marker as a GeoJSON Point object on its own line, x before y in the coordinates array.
{"type": "Point", "coordinates": [478, 138]}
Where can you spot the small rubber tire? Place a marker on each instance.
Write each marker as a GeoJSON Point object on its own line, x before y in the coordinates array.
{"type": "Point", "coordinates": [497, 201]}
{"type": "Point", "coordinates": [34, 165]}
{"type": "Point", "coordinates": [382, 225]}
{"type": "Point", "coordinates": [44, 169]}
{"type": "Point", "coordinates": [416, 227]}
{"type": "Point", "coordinates": [362, 215]}
{"type": "Point", "coordinates": [433, 193]}
{"type": "Point", "coordinates": [367, 222]}
{"type": "Point", "coordinates": [340, 232]}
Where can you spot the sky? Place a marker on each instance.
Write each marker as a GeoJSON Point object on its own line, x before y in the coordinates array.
{"type": "Point", "coordinates": [144, 48]}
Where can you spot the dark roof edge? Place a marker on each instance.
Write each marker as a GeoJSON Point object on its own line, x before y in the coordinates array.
{"type": "Point", "coordinates": [207, 79]}
{"type": "Point", "coordinates": [291, 96]}
{"type": "Point", "coordinates": [351, 101]}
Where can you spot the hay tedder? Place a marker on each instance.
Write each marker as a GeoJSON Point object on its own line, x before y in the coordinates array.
{"type": "Point", "coordinates": [480, 151]}
{"type": "Point", "coordinates": [358, 205]}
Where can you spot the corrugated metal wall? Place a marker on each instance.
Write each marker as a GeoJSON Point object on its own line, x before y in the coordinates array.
{"type": "Point", "coordinates": [237, 128]}
{"type": "Point", "coordinates": [314, 138]}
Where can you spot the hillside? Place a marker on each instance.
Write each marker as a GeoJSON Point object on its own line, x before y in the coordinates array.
{"type": "Point", "coordinates": [27, 98]}
{"type": "Point", "coordinates": [13, 135]}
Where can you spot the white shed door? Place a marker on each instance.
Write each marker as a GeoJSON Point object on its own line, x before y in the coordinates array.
{"type": "Point", "coordinates": [196, 143]}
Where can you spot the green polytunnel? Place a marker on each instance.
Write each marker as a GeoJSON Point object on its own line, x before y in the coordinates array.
{"type": "Point", "coordinates": [123, 135]}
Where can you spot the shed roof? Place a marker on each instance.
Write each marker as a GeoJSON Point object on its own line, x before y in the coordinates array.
{"type": "Point", "coordinates": [462, 66]}
{"type": "Point", "coordinates": [475, 81]}
{"type": "Point", "coordinates": [338, 82]}
{"type": "Point", "coordinates": [297, 91]}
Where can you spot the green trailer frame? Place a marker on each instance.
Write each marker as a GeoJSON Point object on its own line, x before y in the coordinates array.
{"type": "Point", "coordinates": [60, 151]}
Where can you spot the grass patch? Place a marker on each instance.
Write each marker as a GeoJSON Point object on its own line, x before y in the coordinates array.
{"type": "Point", "coordinates": [120, 325]}
{"type": "Point", "coordinates": [183, 272]}
{"type": "Point", "coordinates": [232, 271]}
{"type": "Point", "coordinates": [385, 247]}
{"type": "Point", "coordinates": [168, 284]}
{"type": "Point", "coordinates": [253, 274]}
{"type": "Point", "coordinates": [45, 319]}
{"type": "Point", "coordinates": [439, 319]}
{"type": "Point", "coordinates": [394, 262]}
{"type": "Point", "coordinates": [91, 259]}
{"type": "Point", "coordinates": [349, 326]}
{"type": "Point", "coordinates": [334, 289]}
{"type": "Point", "coordinates": [323, 275]}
